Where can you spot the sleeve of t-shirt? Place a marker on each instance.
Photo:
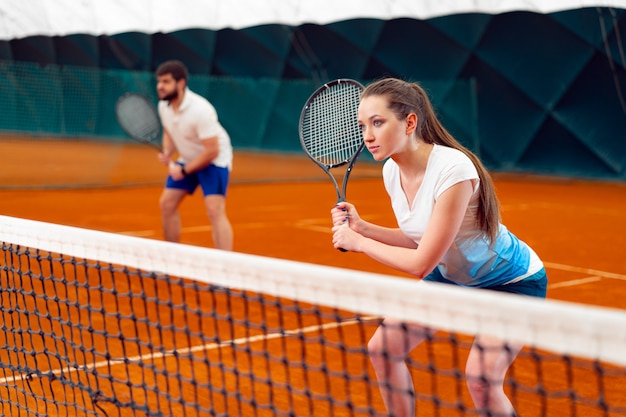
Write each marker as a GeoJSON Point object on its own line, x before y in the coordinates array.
{"type": "Point", "coordinates": [208, 125]}
{"type": "Point", "coordinates": [161, 108]}
{"type": "Point", "coordinates": [455, 171]}
{"type": "Point", "coordinates": [389, 170]}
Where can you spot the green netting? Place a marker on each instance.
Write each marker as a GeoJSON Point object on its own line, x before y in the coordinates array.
{"type": "Point", "coordinates": [79, 102]}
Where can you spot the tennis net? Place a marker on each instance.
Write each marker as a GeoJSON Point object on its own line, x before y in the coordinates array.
{"type": "Point", "coordinates": [101, 324]}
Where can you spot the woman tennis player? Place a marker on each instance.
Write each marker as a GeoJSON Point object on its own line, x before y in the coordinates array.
{"type": "Point", "coordinates": [449, 232]}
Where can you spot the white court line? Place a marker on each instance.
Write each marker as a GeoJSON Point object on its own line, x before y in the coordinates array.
{"type": "Point", "coordinates": [595, 272]}
{"type": "Point", "coordinates": [139, 359]}
{"type": "Point", "coordinates": [574, 282]}
{"type": "Point", "coordinates": [192, 229]}
{"type": "Point", "coordinates": [301, 224]}
{"type": "Point", "coordinates": [314, 225]}
{"type": "Point", "coordinates": [595, 275]}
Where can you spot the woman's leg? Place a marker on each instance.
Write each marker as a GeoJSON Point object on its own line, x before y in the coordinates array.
{"type": "Point", "coordinates": [486, 368]}
{"type": "Point", "coordinates": [389, 348]}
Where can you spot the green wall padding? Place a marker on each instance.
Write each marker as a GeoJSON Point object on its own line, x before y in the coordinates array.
{"type": "Point", "coordinates": [550, 89]}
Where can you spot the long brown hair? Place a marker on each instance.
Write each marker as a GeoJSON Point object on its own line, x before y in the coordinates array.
{"type": "Point", "coordinates": [405, 98]}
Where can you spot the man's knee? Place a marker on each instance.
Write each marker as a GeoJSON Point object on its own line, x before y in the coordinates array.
{"type": "Point", "coordinates": [215, 206]}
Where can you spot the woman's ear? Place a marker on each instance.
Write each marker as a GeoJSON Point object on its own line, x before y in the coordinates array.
{"type": "Point", "coordinates": [411, 123]}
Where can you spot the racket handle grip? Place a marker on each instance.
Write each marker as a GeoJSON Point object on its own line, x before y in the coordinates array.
{"type": "Point", "coordinates": [345, 222]}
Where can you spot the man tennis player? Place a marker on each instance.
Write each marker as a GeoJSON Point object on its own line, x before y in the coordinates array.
{"type": "Point", "coordinates": [204, 154]}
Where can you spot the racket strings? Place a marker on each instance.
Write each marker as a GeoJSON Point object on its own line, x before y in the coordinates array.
{"type": "Point", "coordinates": [138, 118]}
{"type": "Point", "coordinates": [331, 133]}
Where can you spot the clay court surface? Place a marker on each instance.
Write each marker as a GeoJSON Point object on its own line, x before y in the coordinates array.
{"type": "Point", "coordinates": [279, 207]}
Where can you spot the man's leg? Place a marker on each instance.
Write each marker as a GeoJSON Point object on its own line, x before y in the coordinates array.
{"type": "Point", "coordinates": [170, 218]}
{"type": "Point", "coordinates": [222, 230]}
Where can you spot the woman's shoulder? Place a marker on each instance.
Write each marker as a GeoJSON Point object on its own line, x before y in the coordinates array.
{"type": "Point", "coordinates": [444, 157]}
{"type": "Point", "coordinates": [451, 164]}
{"type": "Point", "coordinates": [390, 172]}
{"type": "Point", "coordinates": [390, 167]}
{"type": "Point", "coordinates": [448, 153]}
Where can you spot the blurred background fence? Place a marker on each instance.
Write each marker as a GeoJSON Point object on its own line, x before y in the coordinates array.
{"type": "Point", "coordinates": [530, 92]}
{"type": "Point", "coordinates": [71, 102]}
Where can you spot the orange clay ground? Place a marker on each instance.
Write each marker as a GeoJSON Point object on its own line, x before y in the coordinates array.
{"type": "Point", "coordinates": [279, 207]}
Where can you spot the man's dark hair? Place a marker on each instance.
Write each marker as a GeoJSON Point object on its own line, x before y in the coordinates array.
{"type": "Point", "coordinates": [174, 67]}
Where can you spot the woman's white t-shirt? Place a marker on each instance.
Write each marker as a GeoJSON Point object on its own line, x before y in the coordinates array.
{"type": "Point", "coordinates": [470, 260]}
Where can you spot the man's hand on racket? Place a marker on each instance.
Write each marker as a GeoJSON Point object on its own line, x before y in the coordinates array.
{"type": "Point", "coordinates": [173, 169]}
{"type": "Point", "coordinates": [165, 158]}
{"type": "Point", "coordinates": [176, 171]}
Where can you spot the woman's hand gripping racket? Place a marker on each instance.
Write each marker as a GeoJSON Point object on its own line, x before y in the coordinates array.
{"type": "Point", "coordinates": [329, 130]}
{"type": "Point", "coordinates": [139, 119]}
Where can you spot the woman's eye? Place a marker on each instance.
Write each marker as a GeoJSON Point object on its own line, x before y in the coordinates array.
{"type": "Point", "coordinates": [377, 122]}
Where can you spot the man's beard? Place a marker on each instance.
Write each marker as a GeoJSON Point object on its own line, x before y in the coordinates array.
{"type": "Point", "coordinates": [171, 96]}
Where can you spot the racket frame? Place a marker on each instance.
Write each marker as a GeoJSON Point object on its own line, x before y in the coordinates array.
{"type": "Point", "coordinates": [148, 105]}
{"type": "Point", "coordinates": [341, 192]}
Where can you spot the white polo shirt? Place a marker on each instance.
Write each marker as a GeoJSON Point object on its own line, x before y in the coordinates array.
{"type": "Point", "coordinates": [194, 121]}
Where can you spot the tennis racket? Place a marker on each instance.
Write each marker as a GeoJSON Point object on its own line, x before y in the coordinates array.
{"type": "Point", "coordinates": [139, 119]}
{"type": "Point", "coordinates": [329, 130]}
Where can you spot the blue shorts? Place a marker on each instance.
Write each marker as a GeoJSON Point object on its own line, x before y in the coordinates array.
{"type": "Point", "coordinates": [212, 179]}
{"type": "Point", "coordinates": [535, 285]}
